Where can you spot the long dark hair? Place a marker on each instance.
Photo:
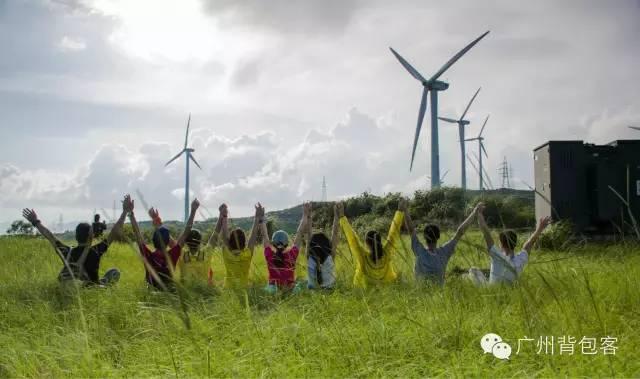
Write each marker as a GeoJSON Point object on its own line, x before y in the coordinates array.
{"type": "Point", "coordinates": [319, 250]}
{"type": "Point", "coordinates": [374, 242]}
{"type": "Point", "coordinates": [278, 257]}
{"type": "Point", "coordinates": [237, 240]}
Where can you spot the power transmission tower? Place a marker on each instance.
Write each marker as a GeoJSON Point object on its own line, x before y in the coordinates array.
{"type": "Point", "coordinates": [505, 172]}
{"type": "Point", "coordinates": [324, 189]}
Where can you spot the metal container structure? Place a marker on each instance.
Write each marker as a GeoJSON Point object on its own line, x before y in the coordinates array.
{"type": "Point", "coordinates": [572, 181]}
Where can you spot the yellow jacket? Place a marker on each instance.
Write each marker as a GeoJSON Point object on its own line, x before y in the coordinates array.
{"type": "Point", "coordinates": [367, 271]}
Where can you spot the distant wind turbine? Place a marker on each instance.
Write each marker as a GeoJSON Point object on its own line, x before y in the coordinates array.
{"type": "Point", "coordinates": [481, 149]}
{"type": "Point", "coordinates": [461, 124]}
{"type": "Point", "coordinates": [635, 127]}
{"type": "Point", "coordinates": [432, 85]}
{"type": "Point", "coordinates": [188, 151]}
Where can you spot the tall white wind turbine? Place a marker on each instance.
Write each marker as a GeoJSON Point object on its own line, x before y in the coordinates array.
{"type": "Point", "coordinates": [432, 85]}
{"type": "Point", "coordinates": [189, 156]}
{"type": "Point", "coordinates": [461, 124]}
{"type": "Point", "coordinates": [481, 149]}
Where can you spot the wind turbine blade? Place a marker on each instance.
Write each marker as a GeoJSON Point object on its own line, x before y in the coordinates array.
{"type": "Point", "coordinates": [174, 158]}
{"type": "Point", "coordinates": [483, 125]}
{"type": "Point", "coordinates": [186, 136]}
{"type": "Point", "coordinates": [483, 150]}
{"type": "Point", "coordinates": [446, 119]}
{"type": "Point", "coordinates": [635, 127]}
{"type": "Point", "coordinates": [194, 161]}
{"type": "Point", "coordinates": [444, 175]}
{"type": "Point", "coordinates": [423, 109]}
{"type": "Point", "coordinates": [471, 139]}
{"type": "Point", "coordinates": [469, 105]}
{"type": "Point", "coordinates": [408, 67]}
{"type": "Point", "coordinates": [456, 57]}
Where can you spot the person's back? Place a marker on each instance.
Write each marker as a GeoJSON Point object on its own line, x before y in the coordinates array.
{"type": "Point", "coordinates": [373, 262]}
{"type": "Point", "coordinates": [320, 265]}
{"type": "Point", "coordinates": [83, 260]}
{"type": "Point", "coordinates": [506, 265]}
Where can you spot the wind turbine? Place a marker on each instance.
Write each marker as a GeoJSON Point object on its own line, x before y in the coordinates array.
{"type": "Point", "coordinates": [461, 124]}
{"type": "Point", "coordinates": [481, 149]}
{"type": "Point", "coordinates": [189, 156]}
{"type": "Point", "coordinates": [432, 85]}
{"type": "Point", "coordinates": [635, 127]}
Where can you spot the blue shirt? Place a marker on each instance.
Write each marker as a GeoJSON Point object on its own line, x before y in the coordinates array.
{"type": "Point", "coordinates": [505, 269]}
{"type": "Point", "coordinates": [432, 264]}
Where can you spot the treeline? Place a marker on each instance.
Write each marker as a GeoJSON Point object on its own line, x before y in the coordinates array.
{"type": "Point", "coordinates": [446, 207]}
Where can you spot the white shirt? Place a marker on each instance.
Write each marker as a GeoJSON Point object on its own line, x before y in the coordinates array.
{"type": "Point", "coordinates": [327, 273]}
{"type": "Point", "coordinates": [505, 269]}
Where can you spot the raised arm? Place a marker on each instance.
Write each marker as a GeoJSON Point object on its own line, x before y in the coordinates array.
{"type": "Point", "coordinates": [306, 210]}
{"type": "Point", "coordinates": [335, 231]}
{"type": "Point", "coordinates": [32, 217]}
{"type": "Point", "coordinates": [396, 224]}
{"type": "Point", "coordinates": [483, 227]}
{"type": "Point", "coordinates": [127, 206]}
{"type": "Point", "coordinates": [544, 222]}
{"type": "Point", "coordinates": [262, 225]}
{"type": "Point", "coordinates": [465, 224]}
{"type": "Point", "coordinates": [408, 222]}
{"type": "Point", "coordinates": [253, 237]}
{"type": "Point", "coordinates": [136, 229]}
{"type": "Point", "coordinates": [224, 214]}
{"type": "Point", "coordinates": [213, 240]}
{"type": "Point", "coordinates": [187, 229]}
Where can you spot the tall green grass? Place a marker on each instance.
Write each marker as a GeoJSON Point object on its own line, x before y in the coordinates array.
{"type": "Point", "coordinates": [402, 330]}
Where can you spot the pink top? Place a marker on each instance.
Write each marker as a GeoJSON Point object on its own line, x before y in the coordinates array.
{"type": "Point", "coordinates": [282, 276]}
{"type": "Point", "coordinates": [158, 262]}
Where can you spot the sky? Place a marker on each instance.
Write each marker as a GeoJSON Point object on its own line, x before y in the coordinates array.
{"type": "Point", "coordinates": [95, 95]}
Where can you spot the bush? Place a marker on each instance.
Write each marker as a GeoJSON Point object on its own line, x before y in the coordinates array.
{"type": "Point", "coordinates": [557, 236]}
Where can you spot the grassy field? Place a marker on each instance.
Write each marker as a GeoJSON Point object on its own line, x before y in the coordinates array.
{"type": "Point", "coordinates": [403, 330]}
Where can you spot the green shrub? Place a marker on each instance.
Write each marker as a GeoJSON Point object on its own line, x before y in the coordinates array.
{"type": "Point", "coordinates": [557, 236]}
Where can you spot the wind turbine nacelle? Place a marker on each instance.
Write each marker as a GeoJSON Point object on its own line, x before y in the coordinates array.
{"type": "Point", "coordinates": [189, 150]}
{"type": "Point", "coordinates": [437, 85]}
{"type": "Point", "coordinates": [464, 122]}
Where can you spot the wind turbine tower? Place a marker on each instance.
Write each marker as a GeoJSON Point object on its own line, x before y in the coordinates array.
{"type": "Point", "coordinates": [324, 189]}
{"type": "Point", "coordinates": [188, 157]}
{"type": "Point", "coordinates": [481, 150]}
{"type": "Point", "coordinates": [432, 85]}
{"type": "Point", "coordinates": [461, 124]}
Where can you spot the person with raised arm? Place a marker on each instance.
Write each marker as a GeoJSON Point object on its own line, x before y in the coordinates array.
{"type": "Point", "coordinates": [506, 265]}
{"type": "Point", "coordinates": [321, 253]}
{"type": "Point", "coordinates": [193, 268]}
{"type": "Point", "coordinates": [160, 263]}
{"type": "Point", "coordinates": [281, 259]}
{"type": "Point", "coordinates": [83, 261]}
{"type": "Point", "coordinates": [431, 262]}
{"type": "Point", "coordinates": [237, 252]}
{"type": "Point", "coordinates": [373, 260]}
